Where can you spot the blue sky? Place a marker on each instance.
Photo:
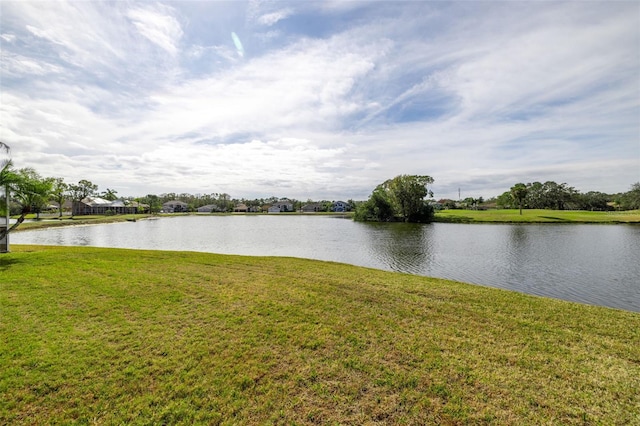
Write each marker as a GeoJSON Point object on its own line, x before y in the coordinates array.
{"type": "Point", "coordinates": [322, 100]}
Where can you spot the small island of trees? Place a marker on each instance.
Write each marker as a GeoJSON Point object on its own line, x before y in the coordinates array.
{"type": "Point", "coordinates": [401, 199]}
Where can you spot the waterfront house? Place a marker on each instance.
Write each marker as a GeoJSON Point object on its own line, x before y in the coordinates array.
{"type": "Point", "coordinates": [282, 205]}
{"type": "Point", "coordinates": [208, 208]}
{"type": "Point", "coordinates": [340, 207]}
{"type": "Point", "coordinates": [175, 206]}
{"type": "Point", "coordinates": [313, 208]}
{"type": "Point", "coordinates": [96, 205]}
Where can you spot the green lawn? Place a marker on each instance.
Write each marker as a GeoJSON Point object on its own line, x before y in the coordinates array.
{"type": "Point", "coordinates": [537, 216]}
{"type": "Point", "coordinates": [112, 336]}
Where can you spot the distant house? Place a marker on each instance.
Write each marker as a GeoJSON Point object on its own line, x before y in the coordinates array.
{"type": "Point", "coordinates": [313, 208]}
{"type": "Point", "coordinates": [340, 207]}
{"type": "Point", "coordinates": [274, 209]}
{"type": "Point", "coordinates": [282, 205]}
{"type": "Point", "coordinates": [96, 205]}
{"type": "Point", "coordinates": [240, 208]}
{"type": "Point", "coordinates": [140, 207]}
{"type": "Point", "coordinates": [175, 206]}
{"type": "Point", "coordinates": [67, 205]}
{"type": "Point", "coordinates": [208, 208]}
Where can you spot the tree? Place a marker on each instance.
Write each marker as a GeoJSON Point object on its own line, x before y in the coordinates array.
{"type": "Point", "coordinates": [593, 200]}
{"type": "Point", "coordinates": [8, 178]}
{"type": "Point", "coordinates": [401, 198]}
{"type": "Point", "coordinates": [223, 201]}
{"type": "Point", "coordinates": [473, 203]}
{"type": "Point", "coordinates": [519, 193]}
{"type": "Point", "coordinates": [109, 194]}
{"type": "Point", "coordinates": [377, 208]}
{"type": "Point", "coordinates": [30, 191]}
{"type": "Point", "coordinates": [557, 195]}
{"type": "Point", "coordinates": [154, 203]}
{"type": "Point", "coordinates": [536, 198]}
{"type": "Point", "coordinates": [630, 200]}
{"type": "Point", "coordinates": [82, 190]}
{"type": "Point", "coordinates": [7, 175]}
{"type": "Point", "coordinates": [407, 193]}
{"type": "Point", "coordinates": [505, 200]}
{"type": "Point", "coordinates": [59, 193]}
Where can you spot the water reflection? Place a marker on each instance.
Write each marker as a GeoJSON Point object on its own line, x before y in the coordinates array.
{"type": "Point", "coordinates": [400, 246]}
{"type": "Point", "coordinates": [521, 264]}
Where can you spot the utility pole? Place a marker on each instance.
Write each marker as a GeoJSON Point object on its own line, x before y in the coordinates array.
{"type": "Point", "coordinates": [459, 194]}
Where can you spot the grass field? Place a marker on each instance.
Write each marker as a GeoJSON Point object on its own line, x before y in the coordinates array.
{"type": "Point", "coordinates": [537, 216]}
{"type": "Point", "coordinates": [112, 336]}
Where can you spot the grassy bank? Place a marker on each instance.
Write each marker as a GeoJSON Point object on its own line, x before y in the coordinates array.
{"type": "Point", "coordinates": [537, 216]}
{"type": "Point", "coordinates": [111, 336]}
{"type": "Point", "coordinates": [48, 222]}
{"type": "Point", "coordinates": [77, 220]}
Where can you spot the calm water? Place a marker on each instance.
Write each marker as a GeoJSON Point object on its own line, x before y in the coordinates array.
{"type": "Point", "coordinates": [595, 264]}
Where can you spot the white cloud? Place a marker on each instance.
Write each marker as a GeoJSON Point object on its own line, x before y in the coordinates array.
{"type": "Point", "coordinates": [158, 25]}
{"type": "Point", "coordinates": [305, 86]}
{"type": "Point", "coordinates": [478, 97]}
{"type": "Point", "coordinates": [272, 18]}
{"type": "Point", "coordinates": [77, 31]}
{"type": "Point", "coordinates": [18, 65]}
{"type": "Point", "coordinates": [9, 38]}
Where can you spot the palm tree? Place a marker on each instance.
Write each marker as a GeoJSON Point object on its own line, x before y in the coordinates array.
{"type": "Point", "coordinates": [5, 175]}
{"type": "Point", "coordinates": [109, 194]}
{"type": "Point", "coordinates": [8, 178]}
{"type": "Point", "coordinates": [5, 168]}
{"type": "Point", "coordinates": [519, 193]}
{"type": "Point", "coordinates": [29, 189]}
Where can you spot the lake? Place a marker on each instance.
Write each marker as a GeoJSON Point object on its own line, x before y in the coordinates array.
{"type": "Point", "coordinates": [594, 264]}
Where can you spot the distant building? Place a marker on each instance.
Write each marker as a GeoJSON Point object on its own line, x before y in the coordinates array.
{"type": "Point", "coordinates": [175, 206]}
{"type": "Point", "coordinates": [208, 208]}
{"type": "Point", "coordinates": [313, 208]}
{"type": "Point", "coordinates": [340, 207]}
{"type": "Point", "coordinates": [283, 206]}
{"type": "Point", "coordinates": [96, 205]}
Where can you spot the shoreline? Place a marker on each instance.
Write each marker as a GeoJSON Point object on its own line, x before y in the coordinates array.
{"type": "Point", "coordinates": [443, 216]}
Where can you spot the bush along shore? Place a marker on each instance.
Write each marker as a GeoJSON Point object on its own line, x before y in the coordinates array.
{"type": "Point", "coordinates": [113, 336]}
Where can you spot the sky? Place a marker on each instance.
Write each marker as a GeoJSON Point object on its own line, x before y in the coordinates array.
{"type": "Point", "coordinates": [322, 99]}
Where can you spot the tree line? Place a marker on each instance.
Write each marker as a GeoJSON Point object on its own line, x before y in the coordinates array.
{"type": "Point", "coordinates": [225, 202]}
{"type": "Point", "coordinates": [404, 198]}
{"type": "Point", "coordinates": [552, 195]}
{"type": "Point", "coordinates": [27, 192]}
